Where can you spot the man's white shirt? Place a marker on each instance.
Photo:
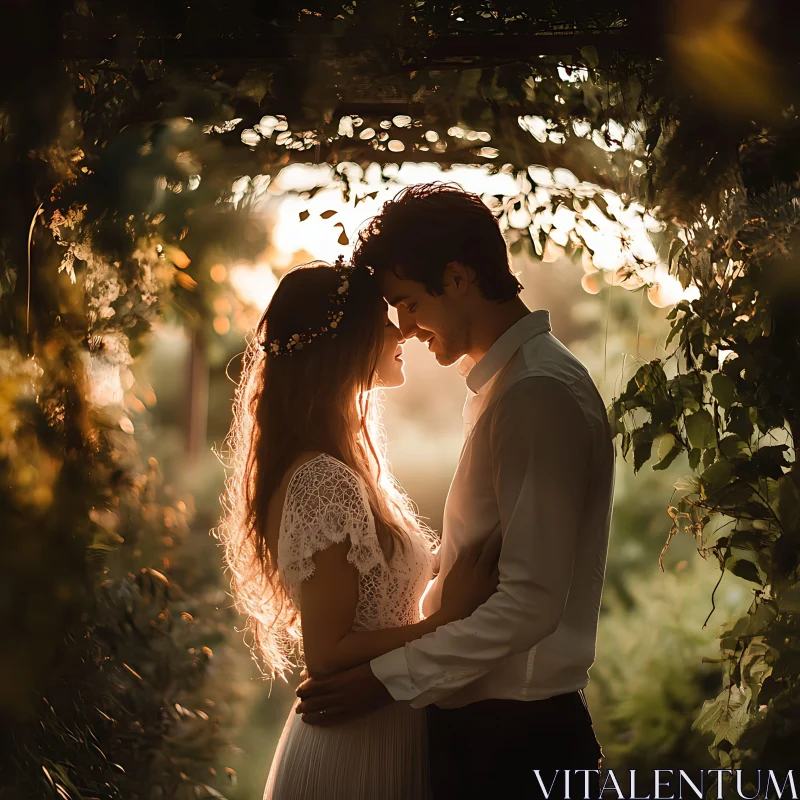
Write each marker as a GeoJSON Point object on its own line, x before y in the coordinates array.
{"type": "Point", "coordinates": [535, 636]}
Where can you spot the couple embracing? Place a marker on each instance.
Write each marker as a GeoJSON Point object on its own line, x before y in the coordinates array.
{"type": "Point", "coordinates": [451, 671]}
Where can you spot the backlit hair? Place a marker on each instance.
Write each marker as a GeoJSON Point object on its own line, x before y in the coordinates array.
{"type": "Point", "coordinates": [428, 225]}
{"type": "Point", "coordinates": [288, 405]}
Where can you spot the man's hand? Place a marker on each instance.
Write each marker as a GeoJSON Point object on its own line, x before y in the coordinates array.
{"type": "Point", "coordinates": [341, 697]}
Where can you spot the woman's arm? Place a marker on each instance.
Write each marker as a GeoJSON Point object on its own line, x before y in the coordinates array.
{"type": "Point", "coordinates": [328, 605]}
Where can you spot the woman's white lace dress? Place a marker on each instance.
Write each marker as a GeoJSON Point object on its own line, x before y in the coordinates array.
{"type": "Point", "coordinates": [382, 755]}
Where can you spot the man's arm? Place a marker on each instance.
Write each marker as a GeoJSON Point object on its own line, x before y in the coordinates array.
{"type": "Point", "coordinates": [328, 601]}
{"type": "Point", "coordinates": [541, 447]}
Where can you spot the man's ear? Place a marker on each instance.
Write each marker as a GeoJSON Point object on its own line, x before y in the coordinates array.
{"type": "Point", "coordinates": [458, 277]}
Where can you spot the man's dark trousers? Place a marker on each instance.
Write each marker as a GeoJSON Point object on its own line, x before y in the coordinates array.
{"type": "Point", "coordinates": [489, 750]}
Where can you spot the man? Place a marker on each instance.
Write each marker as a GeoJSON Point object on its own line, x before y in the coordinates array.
{"type": "Point", "coordinates": [503, 688]}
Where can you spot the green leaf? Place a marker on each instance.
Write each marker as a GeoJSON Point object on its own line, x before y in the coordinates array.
{"type": "Point", "coordinates": [677, 327]}
{"type": "Point", "coordinates": [717, 475]}
{"type": "Point", "coordinates": [789, 504]}
{"type": "Point", "coordinates": [642, 447]}
{"type": "Point", "coordinates": [700, 429]}
{"type": "Point", "coordinates": [676, 247]}
{"type": "Point", "coordinates": [743, 568]}
{"type": "Point", "coordinates": [724, 389]}
{"type": "Point", "coordinates": [616, 414]}
{"type": "Point", "coordinates": [732, 446]}
{"type": "Point", "coordinates": [740, 423]}
{"type": "Point", "coordinates": [665, 443]}
{"type": "Point", "coordinates": [712, 712]}
{"type": "Point", "coordinates": [735, 496]}
{"type": "Point", "coordinates": [770, 460]}
{"type": "Point", "coordinates": [762, 617]}
{"type": "Point", "coordinates": [688, 391]}
{"type": "Point", "coordinates": [694, 458]}
{"type": "Point", "coordinates": [342, 236]}
{"type": "Point", "coordinates": [669, 448]}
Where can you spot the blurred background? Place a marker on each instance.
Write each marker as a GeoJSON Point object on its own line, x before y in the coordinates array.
{"type": "Point", "coordinates": [656, 662]}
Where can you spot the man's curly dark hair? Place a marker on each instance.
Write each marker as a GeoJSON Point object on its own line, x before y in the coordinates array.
{"type": "Point", "coordinates": [428, 225]}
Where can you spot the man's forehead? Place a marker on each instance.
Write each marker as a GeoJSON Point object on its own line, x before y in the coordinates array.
{"type": "Point", "coordinates": [397, 289]}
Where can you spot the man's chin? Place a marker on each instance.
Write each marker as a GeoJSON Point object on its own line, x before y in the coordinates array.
{"type": "Point", "coordinates": [445, 359]}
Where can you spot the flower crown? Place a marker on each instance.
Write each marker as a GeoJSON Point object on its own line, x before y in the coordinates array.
{"type": "Point", "coordinates": [338, 298]}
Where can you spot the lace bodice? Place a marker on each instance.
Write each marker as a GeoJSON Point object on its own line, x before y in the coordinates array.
{"type": "Point", "coordinates": [326, 502]}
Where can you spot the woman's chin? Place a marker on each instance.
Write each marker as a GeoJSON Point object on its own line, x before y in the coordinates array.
{"type": "Point", "coordinates": [391, 381]}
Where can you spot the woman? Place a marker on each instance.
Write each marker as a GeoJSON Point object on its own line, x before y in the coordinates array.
{"type": "Point", "coordinates": [318, 531]}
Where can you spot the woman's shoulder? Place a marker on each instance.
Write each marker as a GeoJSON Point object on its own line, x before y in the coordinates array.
{"type": "Point", "coordinates": [305, 459]}
{"type": "Point", "coordinates": [313, 480]}
{"type": "Point", "coordinates": [322, 472]}
{"type": "Point", "coordinates": [318, 461]}
{"type": "Point", "coordinates": [323, 492]}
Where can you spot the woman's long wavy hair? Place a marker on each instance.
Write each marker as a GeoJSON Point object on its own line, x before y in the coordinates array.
{"type": "Point", "coordinates": [288, 404]}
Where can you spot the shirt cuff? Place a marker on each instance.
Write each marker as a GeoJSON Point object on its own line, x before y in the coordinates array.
{"type": "Point", "coordinates": [391, 669]}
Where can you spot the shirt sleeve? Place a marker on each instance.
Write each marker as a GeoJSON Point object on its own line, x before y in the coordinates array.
{"type": "Point", "coordinates": [540, 445]}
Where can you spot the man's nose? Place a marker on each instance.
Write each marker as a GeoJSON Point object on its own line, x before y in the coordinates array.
{"type": "Point", "coordinates": [405, 322]}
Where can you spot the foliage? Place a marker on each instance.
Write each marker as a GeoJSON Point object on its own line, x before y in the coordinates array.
{"type": "Point", "coordinates": [104, 690]}
{"type": "Point", "coordinates": [727, 397]}
{"type": "Point", "coordinates": [655, 666]}
{"type": "Point", "coordinates": [107, 691]}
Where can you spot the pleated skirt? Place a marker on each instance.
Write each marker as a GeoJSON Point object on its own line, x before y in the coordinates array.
{"type": "Point", "coordinates": [380, 756]}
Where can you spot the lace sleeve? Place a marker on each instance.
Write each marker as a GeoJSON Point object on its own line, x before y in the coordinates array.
{"type": "Point", "coordinates": [325, 503]}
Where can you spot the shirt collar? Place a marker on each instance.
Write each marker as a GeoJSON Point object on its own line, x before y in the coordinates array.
{"type": "Point", "coordinates": [500, 353]}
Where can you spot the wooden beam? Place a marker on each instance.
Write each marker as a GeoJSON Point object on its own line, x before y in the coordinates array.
{"type": "Point", "coordinates": [281, 44]}
{"type": "Point", "coordinates": [524, 46]}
